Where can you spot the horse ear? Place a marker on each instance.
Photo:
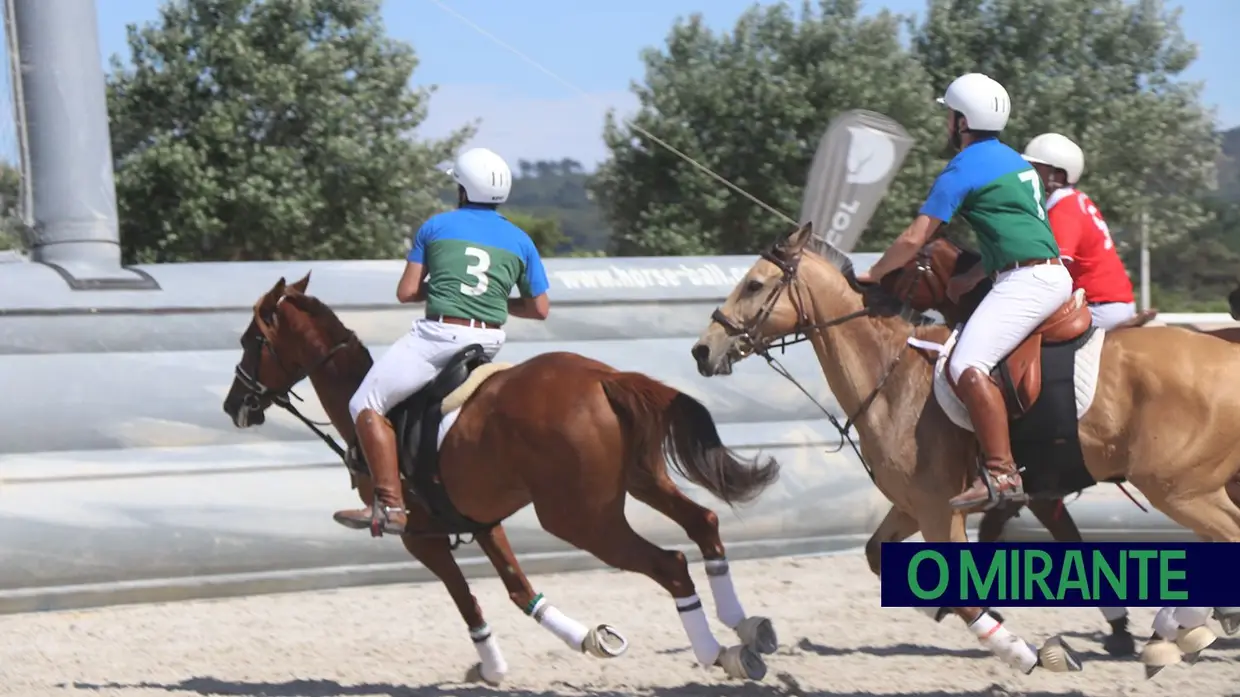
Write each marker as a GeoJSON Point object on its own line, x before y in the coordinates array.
{"type": "Point", "coordinates": [300, 286]}
{"type": "Point", "coordinates": [797, 239]}
{"type": "Point", "coordinates": [278, 289]}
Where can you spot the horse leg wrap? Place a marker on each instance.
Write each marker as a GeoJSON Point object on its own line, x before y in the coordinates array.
{"type": "Point", "coordinates": [706, 647]}
{"type": "Point", "coordinates": [1010, 648]}
{"type": "Point", "coordinates": [569, 630]}
{"type": "Point", "coordinates": [492, 667]}
{"type": "Point", "coordinates": [727, 606]}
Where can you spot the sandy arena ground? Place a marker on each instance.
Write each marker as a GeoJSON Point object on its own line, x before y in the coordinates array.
{"type": "Point", "coordinates": [835, 642]}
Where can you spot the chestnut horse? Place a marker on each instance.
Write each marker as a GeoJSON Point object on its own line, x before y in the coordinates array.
{"type": "Point", "coordinates": [1162, 425]}
{"type": "Point", "coordinates": [562, 431]}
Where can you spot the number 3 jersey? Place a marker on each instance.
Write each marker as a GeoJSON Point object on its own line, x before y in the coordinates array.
{"type": "Point", "coordinates": [475, 257]}
{"type": "Point", "coordinates": [1083, 237]}
{"type": "Point", "coordinates": [1000, 195]}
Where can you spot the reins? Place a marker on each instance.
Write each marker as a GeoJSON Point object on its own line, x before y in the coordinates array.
{"type": "Point", "coordinates": [758, 345]}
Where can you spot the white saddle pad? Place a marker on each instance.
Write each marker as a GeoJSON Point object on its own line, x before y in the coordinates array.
{"type": "Point", "coordinates": [1088, 361]}
{"type": "Point", "coordinates": [445, 425]}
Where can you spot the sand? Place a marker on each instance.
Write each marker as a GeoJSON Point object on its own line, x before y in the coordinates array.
{"type": "Point", "coordinates": [836, 641]}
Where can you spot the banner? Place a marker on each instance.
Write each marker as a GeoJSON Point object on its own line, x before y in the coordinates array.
{"type": "Point", "coordinates": [857, 159]}
{"type": "Point", "coordinates": [1054, 574]}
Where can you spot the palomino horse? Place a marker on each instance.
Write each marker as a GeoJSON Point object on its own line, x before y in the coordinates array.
{"type": "Point", "coordinates": [916, 284]}
{"type": "Point", "coordinates": [564, 432]}
{"type": "Point", "coordinates": [1162, 425]}
{"type": "Point", "coordinates": [919, 284]}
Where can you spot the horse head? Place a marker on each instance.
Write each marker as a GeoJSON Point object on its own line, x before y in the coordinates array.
{"type": "Point", "coordinates": [273, 352]}
{"type": "Point", "coordinates": [772, 302]}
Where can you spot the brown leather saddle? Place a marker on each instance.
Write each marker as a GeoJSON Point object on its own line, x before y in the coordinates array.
{"type": "Point", "coordinates": [1021, 372]}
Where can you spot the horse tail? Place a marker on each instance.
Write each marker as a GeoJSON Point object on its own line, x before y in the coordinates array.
{"type": "Point", "coordinates": [658, 419]}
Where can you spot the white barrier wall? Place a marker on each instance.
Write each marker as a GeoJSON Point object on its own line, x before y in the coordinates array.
{"type": "Point", "coordinates": [122, 479]}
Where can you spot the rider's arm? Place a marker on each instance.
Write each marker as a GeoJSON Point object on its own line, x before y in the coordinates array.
{"type": "Point", "coordinates": [411, 288]}
{"type": "Point", "coordinates": [905, 247]}
{"type": "Point", "coordinates": [944, 200]}
{"type": "Point", "coordinates": [533, 303]}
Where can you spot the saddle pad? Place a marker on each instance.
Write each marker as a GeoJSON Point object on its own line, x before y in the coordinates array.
{"type": "Point", "coordinates": [445, 424]}
{"type": "Point", "coordinates": [1085, 375]}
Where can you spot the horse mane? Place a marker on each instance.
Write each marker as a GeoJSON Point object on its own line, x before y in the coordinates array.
{"type": "Point", "coordinates": [318, 310]}
{"type": "Point", "coordinates": [841, 261]}
{"type": "Point", "coordinates": [838, 259]}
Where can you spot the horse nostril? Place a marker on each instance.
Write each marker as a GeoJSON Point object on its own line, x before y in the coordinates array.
{"type": "Point", "coordinates": [700, 353]}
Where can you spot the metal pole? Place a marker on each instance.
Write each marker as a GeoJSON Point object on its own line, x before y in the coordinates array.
{"type": "Point", "coordinates": [1145, 260]}
{"type": "Point", "coordinates": [65, 111]}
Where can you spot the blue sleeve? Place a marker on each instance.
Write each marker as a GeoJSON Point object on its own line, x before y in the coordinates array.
{"type": "Point", "coordinates": [417, 253]}
{"type": "Point", "coordinates": [534, 281]}
{"type": "Point", "coordinates": [946, 195]}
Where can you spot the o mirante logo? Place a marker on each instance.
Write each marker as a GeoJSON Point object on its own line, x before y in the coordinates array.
{"type": "Point", "coordinates": [1056, 574]}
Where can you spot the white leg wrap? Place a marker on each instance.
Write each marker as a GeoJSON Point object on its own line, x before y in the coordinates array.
{"type": "Point", "coordinates": [1010, 648]}
{"type": "Point", "coordinates": [569, 630]}
{"type": "Point", "coordinates": [727, 606]}
{"type": "Point", "coordinates": [705, 646]}
{"type": "Point", "coordinates": [1114, 613]}
{"type": "Point", "coordinates": [1191, 617]}
{"type": "Point", "coordinates": [494, 667]}
{"type": "Point", "coordinates": [1165, 625]}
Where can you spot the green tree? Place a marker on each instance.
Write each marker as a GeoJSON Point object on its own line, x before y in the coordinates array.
{"type": "Point", "coordinates": [545, 232]}
{"type": "Point", "coordinates": [270, 129]}
{"type": "Point", "coordinates": [1104, 73]}
{"type": "Point", "coordinates": [558, 189]}
{"type": "Point", "coordinates": [10, 200]}
{"type": "Point", "coordinates": [752, 105]}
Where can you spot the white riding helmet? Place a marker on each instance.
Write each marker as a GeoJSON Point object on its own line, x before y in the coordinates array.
{"type": "Point", "coordinates": [484, 175]}
{"type": "Point", "coordinates": [1057, 151]}
{"type": "Point", "coordinates": [984, 102]}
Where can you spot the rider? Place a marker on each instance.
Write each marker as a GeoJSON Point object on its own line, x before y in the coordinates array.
{"type": "Point", "coordinates": [1083, 237]}
{"type": "Point", "coordinates": [1000, 196]}
{"type": "Point", "coordinates": [464, 263]}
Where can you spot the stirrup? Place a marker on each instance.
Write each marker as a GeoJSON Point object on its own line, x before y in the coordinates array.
{"type": "Point", "coordinates": [995, 496]}
{"type": "Point", "coordinates": [380, 518]}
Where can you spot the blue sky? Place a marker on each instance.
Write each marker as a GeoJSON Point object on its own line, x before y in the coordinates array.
{"type": "Point", "coordinates": [594, 45]}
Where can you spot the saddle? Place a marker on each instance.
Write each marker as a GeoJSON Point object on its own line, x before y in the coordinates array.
{"type": "Point", "coordinates": [1020, 374]}
{"type": "Point", "coordinates": [416, 422]}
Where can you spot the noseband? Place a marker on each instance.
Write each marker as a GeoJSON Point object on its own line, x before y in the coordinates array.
{"type": "Point", "coordinates": [750, 332]}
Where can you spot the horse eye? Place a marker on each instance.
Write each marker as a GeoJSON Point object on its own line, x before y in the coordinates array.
{"type": "Point", "coordinates": [754, 286]}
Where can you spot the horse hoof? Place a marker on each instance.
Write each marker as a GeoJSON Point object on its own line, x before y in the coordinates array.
{"type": "Point", "coordinates": [1120, 644]}
{"type": "Point", "coordinates": [1057, 657]}
{"type": "Point", "coordinates": [477, 674]}
{"type": "Point", "coordinates": [1229, 619]}
{"type": "Point", "coordinates": [604, 641]}
{"type": "Point", "coordinates": [1193, 641]}
{"type": "Point", "coordinates": [758, 634]}
{"type": "Point", "coordinates": [1158, 654]}
{"type": "Point", "coordinates": [742, 662]}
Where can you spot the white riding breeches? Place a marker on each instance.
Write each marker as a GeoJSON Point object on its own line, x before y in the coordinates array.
{"type": "Point", "coordinates": [415, 360]}
{"type": "Point", "coordinates": [1107, 315]}
{"type": "Point", "coordinates": [1019, 301]}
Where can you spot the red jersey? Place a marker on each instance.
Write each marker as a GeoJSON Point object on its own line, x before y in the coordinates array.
{"type": "Point", "coordinates": [1083, 237]}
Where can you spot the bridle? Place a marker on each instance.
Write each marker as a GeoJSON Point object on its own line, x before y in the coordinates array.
{"type": "Point", "coordinates": [256, 391]}
{"type": "Point", "coordinates": [754, 343]}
